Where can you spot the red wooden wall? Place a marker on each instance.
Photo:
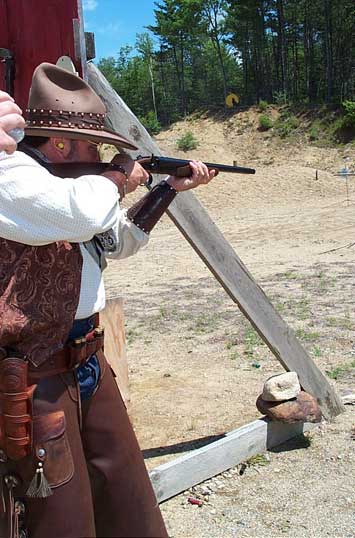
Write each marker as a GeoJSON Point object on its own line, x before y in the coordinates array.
{"type": "Point", "coordinates": [36, 31]}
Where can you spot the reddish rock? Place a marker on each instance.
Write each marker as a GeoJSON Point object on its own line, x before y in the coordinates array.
{"type": "Point", "coordinates": [303, 408]}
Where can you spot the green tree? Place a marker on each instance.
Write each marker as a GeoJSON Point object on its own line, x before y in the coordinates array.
{"type": "Point", "coordinates": [145, 47]}
{"type": "Point", "coordinates": [272, 50]}
{"type": "Point", "coordinates": [213, 13]}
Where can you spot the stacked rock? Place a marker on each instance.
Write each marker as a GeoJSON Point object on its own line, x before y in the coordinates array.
{"type": "Point", "coordinates": [282, 399]}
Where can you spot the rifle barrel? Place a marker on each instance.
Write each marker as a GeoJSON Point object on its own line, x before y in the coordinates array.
{"type": "Point", "coordinates": [163, 165]}
{"type": "Point", "coordinates": [232, 169]}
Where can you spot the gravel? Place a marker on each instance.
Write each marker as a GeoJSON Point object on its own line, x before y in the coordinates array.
{"type": "Point", "coordinates": [303, 489]}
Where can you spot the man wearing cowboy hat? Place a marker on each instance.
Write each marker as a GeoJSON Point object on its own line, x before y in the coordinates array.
{"type": "Point", "coordinates": [70, 465]}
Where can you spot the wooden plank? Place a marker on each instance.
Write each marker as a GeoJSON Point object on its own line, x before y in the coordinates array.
{"type": "Point", "coordinates": [235, 447]}
{"type": "Point", "coordinates": [81, 41]}
{"type": "Point", "coordinates": [239, 445]}
{"type": "Point", "coordinates": [200, 231]}
{"type": "Point", "coordinates": [112, 319]}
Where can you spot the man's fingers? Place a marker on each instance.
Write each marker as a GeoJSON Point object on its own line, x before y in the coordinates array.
{"type": "Point", "coordinates": [200, 173]}
{"type": "Point", "coordinates": [5, 97]}
{"type": "Point", "coordinates": [196, 169]}
{"type": "Point", "coordinates": [7, 143]}
{"type": "Point", "coordinates": [7, 107]}
{"type": "Point", "coordinates": [11, 121]}
{"type": "Point", "coordinates": [212, 174]}
{"type": "Point", "coordinates": [10, 118]}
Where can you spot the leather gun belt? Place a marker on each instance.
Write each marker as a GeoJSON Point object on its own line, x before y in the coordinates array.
{"type": "Point", "coordinates": [74, 354]}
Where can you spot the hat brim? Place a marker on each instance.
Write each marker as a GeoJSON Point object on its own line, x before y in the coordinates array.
{"type": "Point", "coordinates": [104, 136]}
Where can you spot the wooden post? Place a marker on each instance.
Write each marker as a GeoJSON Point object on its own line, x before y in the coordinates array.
{"type": "Point", "coordinates": [115, 344]}
{"type": "Point", "coordinates": [203, 235]}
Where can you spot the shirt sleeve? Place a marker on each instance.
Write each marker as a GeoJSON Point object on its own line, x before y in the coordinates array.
{"type": "Point", "coordinates": [37, 208]}
{"type": "Point", "coordinates": [128, 238]}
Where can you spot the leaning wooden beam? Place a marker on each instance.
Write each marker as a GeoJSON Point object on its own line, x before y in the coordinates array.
{"type": "Point", "coordinates": [239, 445]}
{"type": "Point", "coordinates": [195, 224]}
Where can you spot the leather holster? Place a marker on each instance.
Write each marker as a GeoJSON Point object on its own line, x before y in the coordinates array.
{"type": "Point", "coordinates": [16, 410]}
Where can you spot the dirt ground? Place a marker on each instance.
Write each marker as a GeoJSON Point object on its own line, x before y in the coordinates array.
{"type": "Point", "coordinates": [197, 366]}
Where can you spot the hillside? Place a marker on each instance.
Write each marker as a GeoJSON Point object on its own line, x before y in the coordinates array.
{"type": "Point", "coordinates": [286, 167]}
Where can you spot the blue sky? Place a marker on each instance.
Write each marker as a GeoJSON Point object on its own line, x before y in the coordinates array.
{"type": "Point", "coordinates": [115, 23]}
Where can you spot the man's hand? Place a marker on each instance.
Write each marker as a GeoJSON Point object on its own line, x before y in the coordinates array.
{"type": "Point", "coordinates": [200, 176]}
{"type": "Point", "coordinates": [10, 118]}
{"type": "Point", "coordinates": [135, 174]}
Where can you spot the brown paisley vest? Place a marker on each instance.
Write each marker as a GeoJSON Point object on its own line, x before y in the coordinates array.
{"type": "Point", "coordinates": [39, 295]}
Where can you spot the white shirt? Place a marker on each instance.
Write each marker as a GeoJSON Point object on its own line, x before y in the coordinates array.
{"type": "Point", "coordinates": [37, 208]}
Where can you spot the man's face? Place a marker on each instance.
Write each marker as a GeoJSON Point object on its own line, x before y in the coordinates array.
{"type": "Point", "coordinates": [84, 151]}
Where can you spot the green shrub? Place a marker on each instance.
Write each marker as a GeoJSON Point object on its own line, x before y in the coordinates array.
{"type": "Point", "coordinates": [349, 114]}
{"type": "Point", "coordinates": [313, 133]}
{"type": "Point", "coordinates": [265, 123]}
{"type": "Point", "coordinates": [285, 127]}
{"type": "Point", "coordinates": [187, 142]}
{"type": "Point", "coordinates": [151, 123]}
{"type": "Point", "coordinates": [263, 105]}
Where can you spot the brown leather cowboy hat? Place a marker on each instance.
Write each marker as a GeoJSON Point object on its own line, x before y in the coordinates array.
{"type": "Point", "coordinates": [62, 104]}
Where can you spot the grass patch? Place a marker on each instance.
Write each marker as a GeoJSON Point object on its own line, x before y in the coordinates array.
{"type": "Point", "coordinates": [280, 307]}
{"type": "Point", "coordinates": [163, 312]}
{"type": "Point", "coordinates": [231, 342]}
{"type": "Point", "coordinates": [307, 336]}
{"type": "Point", "coordinates": [340, 370]}
{"type": "Point", "coordinates": [251, 341]}
{"type": "Point", "coordinates": [307, 439]}
{"type": "Point", "coordinates": [204, 323]}
{"type": "Point", "coordinates": [342, 323]}
{"type": "Point", "coordinates": [252, 338]}
{"type": "Point", "coordinates": [285, 126]}
{"type": "Point", "coordinates": [259, 460]}
{"type": "Point", "coordinates": [325, 281]}
{"type": "Point", "coordinates": [291, 275]}
{"type": "Point", "coordinates": [321, 281]}
{"type": "Point", "coordinates": [300, 309]}
{"type": "Point", "coordinates": [316, 351]}
{"type": "Point", "coordinates": [233, 356]}
{"type": "Point", "coordinates": [131, 335]}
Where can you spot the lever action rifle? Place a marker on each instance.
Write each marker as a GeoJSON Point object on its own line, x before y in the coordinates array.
{"type": "Point", "coordinates": [154, 165]}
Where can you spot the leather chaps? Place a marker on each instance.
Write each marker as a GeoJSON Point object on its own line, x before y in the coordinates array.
{"type": "Point", "coordinates": [93, 465]}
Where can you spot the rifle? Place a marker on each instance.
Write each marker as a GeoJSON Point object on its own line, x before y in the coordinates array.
{"type": "Point", "coordinates": [181, 168]}
{"type": "Point", "coordinates": [155, 164]}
